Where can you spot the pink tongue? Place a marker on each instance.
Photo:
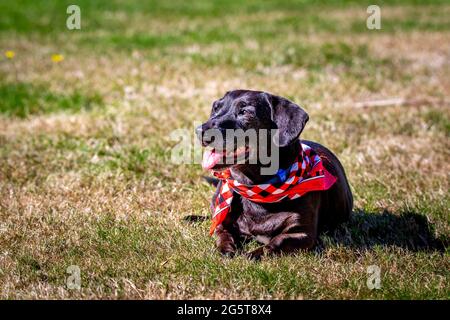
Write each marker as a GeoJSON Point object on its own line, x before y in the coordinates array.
{"type": "Point", "coordinates": [210, 159]}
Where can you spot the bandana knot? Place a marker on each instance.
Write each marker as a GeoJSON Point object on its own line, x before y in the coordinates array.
{"type": "Point", "coordinates": [306, 174]}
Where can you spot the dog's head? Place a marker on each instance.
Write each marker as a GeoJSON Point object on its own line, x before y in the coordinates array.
{"type": "Point", "coordinates": [246, 113]}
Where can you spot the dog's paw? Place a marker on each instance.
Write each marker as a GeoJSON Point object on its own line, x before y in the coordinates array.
{"type": "Point", "coordinates": [256, 254]}
{"type": "Point", "coordinates": [228, 254]}
{"type": "Point", "coordinates": [228, 250]}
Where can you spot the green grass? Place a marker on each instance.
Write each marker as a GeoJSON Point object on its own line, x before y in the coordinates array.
{"type": "Point", "coordinates": [86, 176]}
{"type": "Point", "coordinates": [24, 99]}
{"type": "Point", "coordinates": [179, 8]}
{"type": "Point", "coordinates": [438, 120]}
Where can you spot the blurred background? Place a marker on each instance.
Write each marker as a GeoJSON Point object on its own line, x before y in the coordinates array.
{"type": "Point", "coordinates": [85, 122]}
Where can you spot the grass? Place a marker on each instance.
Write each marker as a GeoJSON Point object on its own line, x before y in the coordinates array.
{"type": "Point", "coordinates": [85, 171]}
{"type": "Point", "coordinates": [24, 99]}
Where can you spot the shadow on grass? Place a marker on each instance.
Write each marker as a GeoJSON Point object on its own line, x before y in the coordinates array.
{"type": "Point", "coordinates": [365, 230]}
{"type": "Point", "coordinates": [409, 230]}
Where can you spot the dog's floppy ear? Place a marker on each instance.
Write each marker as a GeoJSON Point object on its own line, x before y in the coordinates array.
{"type": "Point", "coordinates": [289, 118]}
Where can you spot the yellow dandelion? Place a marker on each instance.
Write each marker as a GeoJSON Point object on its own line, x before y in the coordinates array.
{"type": "Point", "coordinates": [57, 58]}
{"type": "Point", "coordinates": [10, 54]}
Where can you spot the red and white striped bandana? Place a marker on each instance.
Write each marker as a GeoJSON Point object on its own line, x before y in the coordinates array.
{"type": "Point", "coordinates": [305, 174]}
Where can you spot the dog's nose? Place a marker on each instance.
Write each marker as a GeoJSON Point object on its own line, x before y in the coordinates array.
{"type": "Point", "coordinates": [203, 136]}
{"type": "Point", "coordinates": [199, 131]}
{"type": "Point", "coordinates": [226, 124]}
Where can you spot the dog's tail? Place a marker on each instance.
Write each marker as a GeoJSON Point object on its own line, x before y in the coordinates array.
{"type": "Point", "coordinates": [197, 218]}
{"type": "Point", "coordinates": [193, 218]}
{"type": "Point", "coordinates": [211, 180]}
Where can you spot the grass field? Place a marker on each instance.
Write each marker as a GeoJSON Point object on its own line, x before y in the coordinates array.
{"type": "Point", "coordinates": [85, 171]}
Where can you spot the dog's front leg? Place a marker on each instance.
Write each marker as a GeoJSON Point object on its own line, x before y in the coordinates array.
{"type": "Point", "coordinates": [296, 232]}
{"type": "Point", "coordinates": [284, 243]}
{"type": "Point", "coordinates": [226, 242]}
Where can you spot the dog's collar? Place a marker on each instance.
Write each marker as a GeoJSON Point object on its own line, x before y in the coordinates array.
{"type": "Point", "coordinates": [306, 174]}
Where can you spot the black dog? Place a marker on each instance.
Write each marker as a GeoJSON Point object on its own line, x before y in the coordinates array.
{"type": "Point", "coordinates": [284, 226]}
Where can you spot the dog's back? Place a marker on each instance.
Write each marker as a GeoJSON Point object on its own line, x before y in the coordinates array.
{"type": "Point", "coordinates": [337, 202]}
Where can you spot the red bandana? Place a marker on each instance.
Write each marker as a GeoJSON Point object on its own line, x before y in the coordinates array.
{"type": "Point", "coordinates": [305, 175]}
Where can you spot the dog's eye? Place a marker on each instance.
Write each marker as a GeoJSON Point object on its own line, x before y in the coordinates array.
{"type": "Point", "coordinates": [216, 107]}
{"type": "Point", "coordinates": [242, 104]}
{"type": "Point", "coordinates": [244, 112]}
